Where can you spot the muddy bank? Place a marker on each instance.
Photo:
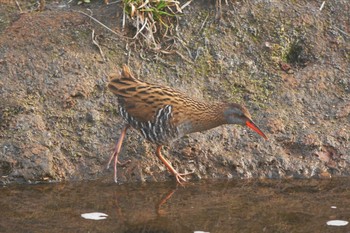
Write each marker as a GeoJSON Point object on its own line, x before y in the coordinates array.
{"type": "Point", "coordinates": [288, 63]}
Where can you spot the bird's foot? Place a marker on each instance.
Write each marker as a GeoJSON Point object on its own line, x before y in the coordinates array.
{"type": "Point", "coordinates": [180, 177]}
{"type": "Point", "coordinates": [122, 164]}
{"type": "Point", "coordinates": [115, 154]}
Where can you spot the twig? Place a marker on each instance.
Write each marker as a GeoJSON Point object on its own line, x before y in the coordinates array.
{"type": "Point", "coordinates": [143, 57]}
{"type": "Point", "coordinates": [186, 4]}
{"type": "Point", "coordinates": [19, 7]}
{"type": "Point", "coordinates": [205, 20]}
{"type": "Point", "coordinates": [199, 49]}
{"type": "Point", "coordinates": [218, 9]}
{"type": "Point", "coordinates": [178, 53]}
{"type": "Point", "coordinates": [123, 23]}
{"type": "Point", "coordinates": [109, 3]}
{"type": "Point", "coordinates": [322, 5]}
{"type": "Point", "coordinates": [95, 42]}
{"type": "Point", "coordinates": [129, 54]}
{"type": "Point", "coordinates": [143, 26]}
{"type": "Point", "coordinates": [94, 19]}
{"type": "Point", "coordinates": [183, 45]}
{"type": "Point", "coordinates": [183, 57]}
{"type": "Point", "coordinates": [345, 33]}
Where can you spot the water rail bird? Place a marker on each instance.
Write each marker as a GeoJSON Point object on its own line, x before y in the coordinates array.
{"type": "Point", "coordinates": [162, 114]}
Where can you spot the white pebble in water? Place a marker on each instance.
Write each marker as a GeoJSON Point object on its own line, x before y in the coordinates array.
{"type": "Point", "coordinates": [94, 216]}
{"type": "Point", "coordinates": [337, 223]}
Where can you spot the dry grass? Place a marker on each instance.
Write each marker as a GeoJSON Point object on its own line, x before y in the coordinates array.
{"type": "Point", "coordinates": [152, 18]}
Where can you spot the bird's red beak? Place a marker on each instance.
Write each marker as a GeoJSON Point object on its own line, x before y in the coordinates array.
{"type": "Point", "coordinates": [251, 125]}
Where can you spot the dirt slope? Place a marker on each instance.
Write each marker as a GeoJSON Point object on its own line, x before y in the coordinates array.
{"type": "Point", "coordinates": [289, 63]}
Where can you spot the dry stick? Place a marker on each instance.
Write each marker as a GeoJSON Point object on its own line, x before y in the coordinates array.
{"type": "Point", "coordinates": [341, 31]}
{"type": "Point", "coordinates": [186, 4]}
{"type": "Point", "coordinates": [123, 23]}
{"type": "Point", "coordinates": [129, 54]}
{"type": "Point", "coordinates": [143, 5]}
{"type": "Point", "coordinates": [94, 41]}
{"type": "Point", "coordinates": [94, 19]}
{"type": "Point", "coordinates": [19, 7]}
{"type": "Point", "coordinates": [183, 45]}
{"type": "Point", "coordinates": [205, 20]}
{"type": "Point", "coordinates": [178, 53]}
{"type": "Point", "coordinates": [322, 5]}
{"type": "Point", "coordinates": [113, 2]}
{"type": "Point", "coordinates": [183, 57]}
{"type": "Point", "coordinates": [218, 9]}
{"type": "Point", "coordinates": [143, 26]}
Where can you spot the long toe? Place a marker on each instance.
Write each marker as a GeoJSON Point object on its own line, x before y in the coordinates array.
{"type": "Point", "coordinates": [122, 164]}
{"type": "Point", "coordinates": [110, 160]}
{"type": "Point", "coordinates": [180, 177]}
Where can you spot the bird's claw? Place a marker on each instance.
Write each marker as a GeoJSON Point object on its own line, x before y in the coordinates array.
{"type": "Point", "coordinates": [180, 179]}
{"type": "Point", "coordinates": [122, 164]}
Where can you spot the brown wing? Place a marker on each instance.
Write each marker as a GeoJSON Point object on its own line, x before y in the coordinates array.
{"type": "Point", "coordinates": [140, 99]}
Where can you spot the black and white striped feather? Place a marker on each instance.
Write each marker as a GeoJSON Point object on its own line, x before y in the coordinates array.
{"type": "Point", "coordinates": [160, 130]}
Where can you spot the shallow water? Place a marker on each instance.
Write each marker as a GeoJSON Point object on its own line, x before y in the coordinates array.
{"type": "Point", "coordinates": [232, 206]}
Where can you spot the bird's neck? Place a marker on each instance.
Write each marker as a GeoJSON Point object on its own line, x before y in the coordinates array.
{"type": "Point", "coordinates": [205, 116]}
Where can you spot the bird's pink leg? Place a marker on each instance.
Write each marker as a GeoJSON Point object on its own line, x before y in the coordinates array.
{"type": "Point", "coordinates": [116, 153]}
{"type": "Point", "coordinates": [179, 176]}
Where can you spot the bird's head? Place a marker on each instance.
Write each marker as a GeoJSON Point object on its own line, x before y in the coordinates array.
{"type": "Point", "coordinates": [237, 114]}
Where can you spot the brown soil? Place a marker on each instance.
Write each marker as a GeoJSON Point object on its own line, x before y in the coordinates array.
{"type": "Point", "coordinates": [288, 62]}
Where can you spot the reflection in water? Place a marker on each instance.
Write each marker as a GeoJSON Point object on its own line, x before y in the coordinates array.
{"type": "Point", "coordinates": [234, 206]}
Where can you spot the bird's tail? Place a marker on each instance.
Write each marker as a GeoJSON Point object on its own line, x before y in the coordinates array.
{"type": "Point", "coordinates": [120, 83]}
{"type": "Point", "coordinates": [125, 74]}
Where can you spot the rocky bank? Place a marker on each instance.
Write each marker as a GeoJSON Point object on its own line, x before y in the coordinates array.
{"type": "Point", "coordinates": [287, 61]}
